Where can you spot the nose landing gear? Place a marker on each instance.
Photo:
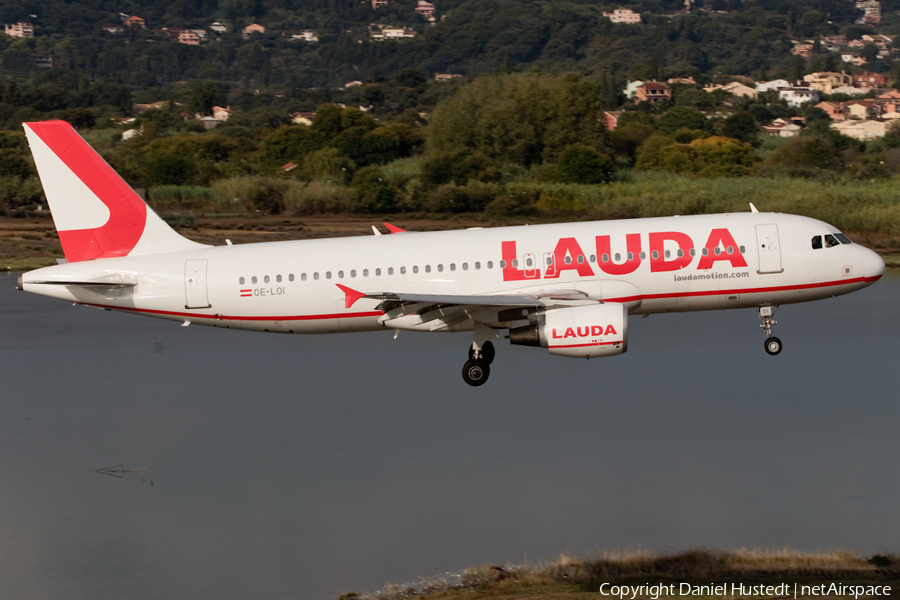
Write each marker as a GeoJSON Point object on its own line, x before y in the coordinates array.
{"type": "Point", "coordinates": [773, 344]}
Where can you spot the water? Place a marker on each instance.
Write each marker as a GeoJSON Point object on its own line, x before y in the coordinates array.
{"type": "Point", "coordinates": [307, 466]}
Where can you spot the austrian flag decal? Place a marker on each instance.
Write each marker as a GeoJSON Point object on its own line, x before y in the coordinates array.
{"type": "Point", "coordinates": [246, 293]}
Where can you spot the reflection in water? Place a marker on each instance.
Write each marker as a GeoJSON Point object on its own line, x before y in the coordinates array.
{"type": "Point", "coordinates": [308, 466]}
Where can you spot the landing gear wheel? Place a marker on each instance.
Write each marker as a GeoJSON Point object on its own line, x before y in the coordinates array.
{"type": "Point", "coordinates": [487, 352]}
{"type": "Point", "coordinates": [773, 346]}
{"type": "Point", "coordinates": [476, 372]}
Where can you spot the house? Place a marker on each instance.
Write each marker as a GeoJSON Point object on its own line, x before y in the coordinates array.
{"type": "Point", "coordinates": [351, 84]}
{"type": "Point", "coordinates": [134, 22]}
{"type": "Point", "coordinates": [376, 4]}
{"type": "Point", "coordinates": [862, 130]}
{"type": "Point", "coordinates": [130, 133]}
{"type": "Point", "coordinates": [390, 32]}
{"type": "Point", "coordinates": [189, 37]}
{"type": "Point", "coordinates": [849, 90]}
{"type": "Point", "coordinates": [652, 91]}
{"type": "Point", "coordinates": [871, 12]}
{"type": "Point", "coordinates": [681, 80]}
{"type": "Point", "coordinates": [426, 9]}
{"type": "Point", "coordinates": [446, 76]}
{"type": "Point", "coordinates": [209, 122]}
{"type": "Point", "coordinates": [623, 15]}
{"type": "Point", "coordinates": [218, 27]}
{"type": "Point", "coordinates": [826, 81]}
{"type": "Point", "coordinates": [307, 35]}
{"type": "Point", "coordinates": [20, 30]}
{"type": "Point", "coordinates": [798, 94]}
{"type": "Point", "coordinates": [735, 88]}
{"type": "Point", "coordinates": [173, 32]}
{"type": "Point", "coordinates": [862, 110]}
{"type": "Point", "coordinates": [869, 81]}
{"type": "Point", "coordinates": [631, 88]}
{"type": "Point", "coordinates": [835, 110]}
{"type": "Point", "coordinates": [220, 113]}
{"type": "Point", "coordinates": [782, 128]}
{"type": "Point", "coordinates": [765, 86]}
{"type": "Point", "coordinates": [287, 168]}
{"type": "Point", "coordinates": [882, 41]}
{"type": "Point", "coordinates": [42, 61]}
{"type": "Point", "coordinates": [611, 118]}
{"type": "Point", "coordinates": [139, 108]}
{"type": "Point", "coordinates": [853, 58]}
{"type": "Point", "coordinates": [833, 43]}
{"type": "Point", "coordinates": [253, 28]}
{"type": "Point", "coordinates": [113, 29]}
{"type": "Point", "coordinates": [303, 118]}
{"type": "Point", "coordinates": [803, 50]}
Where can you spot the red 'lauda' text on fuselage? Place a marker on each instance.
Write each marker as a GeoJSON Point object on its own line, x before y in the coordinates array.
{"type": "Point", "coordinates": [658, 240]}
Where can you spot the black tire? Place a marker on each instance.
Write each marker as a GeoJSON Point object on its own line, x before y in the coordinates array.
{"type": "Point", "coordinates": [487, 352]}
{"type": "Point", "coordinates": [773, 346]}
{"type": "Point", "coordinates": [476, 372]}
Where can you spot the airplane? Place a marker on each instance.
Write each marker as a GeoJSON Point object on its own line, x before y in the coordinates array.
{"type": "Point", "coordinates": [569, 287]}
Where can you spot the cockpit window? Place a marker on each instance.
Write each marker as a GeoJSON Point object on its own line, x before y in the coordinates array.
{"type": "Point", "coordinates": [817, 242]}
{"type": "Point", "coordinates": [842, 238]}
{"type": "Point", "coordinates": [831, 241]}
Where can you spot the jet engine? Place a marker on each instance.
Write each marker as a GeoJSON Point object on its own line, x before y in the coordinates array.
{"type": "Point", "coordinates": [579, 331]}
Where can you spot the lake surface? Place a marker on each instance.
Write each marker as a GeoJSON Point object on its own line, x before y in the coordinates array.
{"type": "Point", "coordinates": [304, 467]}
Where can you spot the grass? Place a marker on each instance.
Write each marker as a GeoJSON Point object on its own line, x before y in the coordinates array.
{"type": "Point", "coordinates": [579, 578]}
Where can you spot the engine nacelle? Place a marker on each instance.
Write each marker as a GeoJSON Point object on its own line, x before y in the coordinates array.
{"type": "Point", "coordinates": [579, 331]}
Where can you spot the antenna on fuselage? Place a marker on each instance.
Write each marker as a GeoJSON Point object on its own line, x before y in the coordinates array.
{"type": "Point", "coordinates": [753, 208]}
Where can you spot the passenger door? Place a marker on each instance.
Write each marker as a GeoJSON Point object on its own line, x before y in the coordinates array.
{"type": "Point", "coordinates": [768, 248]}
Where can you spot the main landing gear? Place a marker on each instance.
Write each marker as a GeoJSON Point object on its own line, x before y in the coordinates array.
{"type": "Point", "coordinates": [773, 344]}
{"type": "Point", "coordinates": [481, 354]}
{"type": "Point", "coordinates": [478, 368]}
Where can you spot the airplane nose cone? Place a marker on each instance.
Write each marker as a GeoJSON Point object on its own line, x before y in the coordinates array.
{"type": "Point", "coordinates": [873, 266]}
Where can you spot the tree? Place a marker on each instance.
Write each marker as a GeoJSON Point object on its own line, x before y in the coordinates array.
{"type": "Point", "coordinates": [683, 117]}
{"type": "Point", "coordinates": [742, 127]}
{"type": "Point", "coordinates": [204, 96]}
{"type": "Point", "coordinates": [582, 164]}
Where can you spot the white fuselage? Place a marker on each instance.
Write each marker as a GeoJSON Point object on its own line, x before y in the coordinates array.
{"type": "Point", "coordinates": [292, 287]}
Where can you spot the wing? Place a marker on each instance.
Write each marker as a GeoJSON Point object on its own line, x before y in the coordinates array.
{"type": "Point", "coordinates": [436, 312]}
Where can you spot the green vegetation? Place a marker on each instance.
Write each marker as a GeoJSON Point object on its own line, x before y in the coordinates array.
{"type": "Point", "coordinates": [581, 578]}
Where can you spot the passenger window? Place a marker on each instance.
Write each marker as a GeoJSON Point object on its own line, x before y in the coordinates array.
{"type": "Point", "coordinates": [668, 254]}
{"type": "Point", "coordinates": [415, 269]}
{"type": "Point", "coordinates": [581, 259]}
{"type": "Point", "coordinates": [403, 270]}
{"type": "Point", "coordinates": [605, 258]}
{"type": "Point", "coordinates": [340, 274]}
{"type": "Point", "coordinates": [428, 268]}
{"type": "Point", "coordinates": [692, 252]}
{"type": "Point", "coordinates": [717, 250]}
{"type": "Point", "coordinates": [680, 253]}
{"type": "Point", "coordinates": [593, 258]}
{"type": "Point", "coordinates": [528, 263]}
{"type": "Point", "coordinates": [705, 252]}
{"type": "Point", "coordinates": [241, 281]}
{"type": "Point", "coordinates": [568, 260]}
{"type": "Point", "coordinates": [316, 275]}
{"type": "Point", "coordinates": [390, 270]}
{"type": "Point", "coordinates": [291, 277]}
{"type": "Point", "coordinates": [618, 257]}
{"type": "Point", "coordinates": [253, 279]}
{"type": "Point", "coordinates": [440, 268]}
{"type": "Point", "coordinates": [466, 265]}
{"type": "Point", "coordinates": [742, 249]}
{"type": "Point", "coordinates": [643, 255]}
{"type": "Point", "coordinates": [327, 274]}
{"type": "Point", "coordinates": [549, 260]}
{"type": "Point", "coordinates": [831, 241]}
{"type": "Point", "coordinates": [303, 277]}
{"type": "Point", "coordinates": [365, 272]}
{"type": "Point", "coordinates": [353, 273]}
{"type": "Point", "coordinates": [842, 238]}
{"type": "Point", "coordinates": [515, 263]}
{"type": "Point", "coordinates": [655, 255]}
{"type": "Point", "coordinates": [477, 266]}
{"type": "Point", "coordinates": [452, 266]}
{"type": "Point", "coordinates": [730, 249]}
{"type": "Point", "coordinates": [378, 272]}
{"type": "Point", "coordinates": [490, 264]}
{"type": "Point", "coordinates": [278, 279]}
{"type": "Point", "coordinates": [266, 279]}
{"type": "Point", "coordinates": [502, 264]}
